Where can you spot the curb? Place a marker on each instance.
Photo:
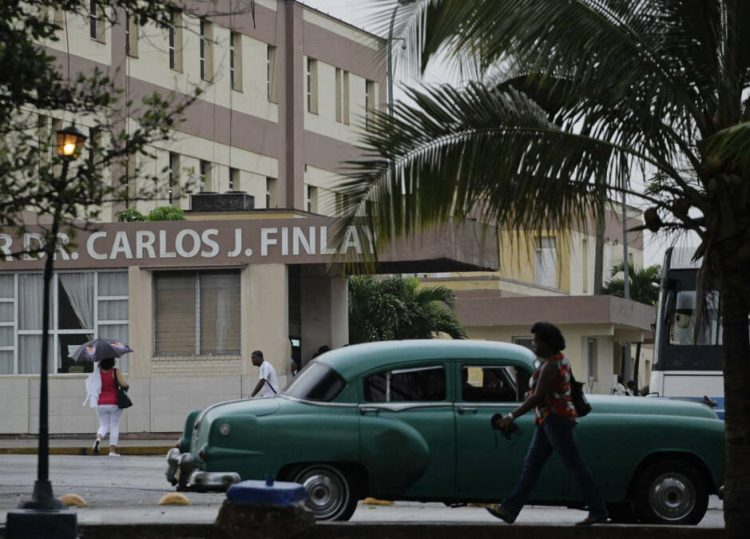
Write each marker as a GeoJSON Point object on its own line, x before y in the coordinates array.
{"type": "Point", "coordinates": [351, 530]}
{"type": "Point", "coordinates": [143, 450]}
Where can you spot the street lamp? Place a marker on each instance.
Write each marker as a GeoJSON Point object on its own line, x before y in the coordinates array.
{"type": "Point", "coordinates": [43, 515]}
{"type": "Point", "coordinates": [69, 143]}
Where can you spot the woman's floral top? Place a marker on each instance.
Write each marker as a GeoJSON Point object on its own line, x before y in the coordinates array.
{"type": "Point", "coordinates": [560, 401]}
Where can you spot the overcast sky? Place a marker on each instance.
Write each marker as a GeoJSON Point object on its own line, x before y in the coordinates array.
{"type": "Point", "coordinates": [360, 13]}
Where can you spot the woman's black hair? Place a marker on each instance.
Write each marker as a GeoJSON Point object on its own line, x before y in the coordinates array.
{"type": "Point", "coordinates": [550, 335]}
{"type": "Point", "coordinates": [107, 363]}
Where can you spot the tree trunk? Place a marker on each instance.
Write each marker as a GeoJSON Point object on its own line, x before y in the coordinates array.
{"type": "Point", "coordinates": [735, 310]}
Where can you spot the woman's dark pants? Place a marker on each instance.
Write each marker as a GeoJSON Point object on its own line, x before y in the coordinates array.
{"type": "Point", "coordinates": [556, 433]}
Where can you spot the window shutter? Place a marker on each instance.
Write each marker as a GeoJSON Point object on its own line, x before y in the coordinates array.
{"type": "Point", "coordinates": [174, 305]}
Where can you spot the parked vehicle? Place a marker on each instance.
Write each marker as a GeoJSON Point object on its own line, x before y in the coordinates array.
{"type": "Point", "coordinates": [688, 364]}
{"type": "Point", "coordinates": [410, 420]}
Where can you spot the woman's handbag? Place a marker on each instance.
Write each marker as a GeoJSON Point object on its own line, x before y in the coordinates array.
{"type": "Point", "coordinates": [123, 401]}
{"type": "Point", "coordinates": [580, 402]}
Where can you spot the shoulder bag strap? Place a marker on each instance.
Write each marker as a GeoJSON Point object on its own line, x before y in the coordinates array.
{"type": "Point", "coordinates": [269, 385]}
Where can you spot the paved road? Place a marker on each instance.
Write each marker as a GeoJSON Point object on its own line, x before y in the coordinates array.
{"type": "Point", "coordinates": [127, 489]}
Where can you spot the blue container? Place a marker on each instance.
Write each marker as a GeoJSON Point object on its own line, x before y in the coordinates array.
{"type": "Point", "coordinates": [266, 492]}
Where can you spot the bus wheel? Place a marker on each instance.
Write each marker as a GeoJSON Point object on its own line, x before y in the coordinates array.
{"type": "Point", "coordinates": [671, 492]}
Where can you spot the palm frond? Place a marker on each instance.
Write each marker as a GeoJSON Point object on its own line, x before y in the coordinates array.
{"type": "Point", "coordinates": [731, 147]}
{"type": "Point", "coordinates": [481, 152]}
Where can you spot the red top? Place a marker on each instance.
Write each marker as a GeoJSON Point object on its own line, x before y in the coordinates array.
{"type": "Point", "coordinates": [560, 401]}
{"type": "Point", "coordinates": [109, 391]}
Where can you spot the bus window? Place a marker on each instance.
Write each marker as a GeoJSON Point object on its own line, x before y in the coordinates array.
{"type": "Point", "coordinates": [682, 330]}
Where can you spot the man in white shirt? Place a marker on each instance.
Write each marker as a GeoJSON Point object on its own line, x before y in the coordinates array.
{"type": "Point", "coordinates": [268, 384]}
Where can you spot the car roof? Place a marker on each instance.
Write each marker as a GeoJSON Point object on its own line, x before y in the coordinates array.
{"type": "Point", "coordinates": [351, 361]}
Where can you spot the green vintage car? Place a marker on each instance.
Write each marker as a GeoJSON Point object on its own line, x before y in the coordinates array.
{"type": "Point", "coordinates": [410, 420]}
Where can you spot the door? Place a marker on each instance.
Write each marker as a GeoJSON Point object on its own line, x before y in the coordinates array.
{"type": "Point", "coordinates": [488, 464]}
{"type": "Point", "coordinates": [408, 433]}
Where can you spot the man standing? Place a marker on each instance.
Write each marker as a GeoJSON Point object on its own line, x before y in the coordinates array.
{"type": "Point", "coordinates": [268, 384]}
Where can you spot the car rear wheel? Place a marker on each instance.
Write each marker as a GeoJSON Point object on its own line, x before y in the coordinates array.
{"type": "Point", "coordinates": [671, 492]}
{"type": "Point", "coordinates": [329, 492]}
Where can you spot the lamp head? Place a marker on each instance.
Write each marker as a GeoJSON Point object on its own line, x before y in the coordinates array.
{"type": "Point", "coordinates": [69, 142]}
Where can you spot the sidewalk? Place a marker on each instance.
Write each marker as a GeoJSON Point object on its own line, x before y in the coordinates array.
{"type": "Point", "coordinates": [78, 444]}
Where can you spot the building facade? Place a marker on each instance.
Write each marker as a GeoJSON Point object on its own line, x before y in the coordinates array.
{"type": "Point", "coordinates": [286, 91]}
{"type": "Point", "coordinates": [549, 275]}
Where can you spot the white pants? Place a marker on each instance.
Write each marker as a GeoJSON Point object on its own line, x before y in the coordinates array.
{"type": "Point", "coordinates": [109, 421]}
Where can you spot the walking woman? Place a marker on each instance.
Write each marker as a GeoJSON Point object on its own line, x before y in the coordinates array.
{"type": "Point", "coordinates": [550, 398]}
{"type": "Point", "coordinates": [102, 395]}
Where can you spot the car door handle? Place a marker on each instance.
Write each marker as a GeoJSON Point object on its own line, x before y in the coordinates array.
{"type": "Point", "coordinates": [466, 410]}
{"type": "Point", "coordinates": [364, 410]}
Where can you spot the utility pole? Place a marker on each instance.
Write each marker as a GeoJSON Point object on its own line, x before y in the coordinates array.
{"type": "Point", "coordinates": [627, 360]}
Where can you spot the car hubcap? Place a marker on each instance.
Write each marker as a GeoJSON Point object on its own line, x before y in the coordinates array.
{"type": "Point", "coordinates": [672, 496]}
{"type": "Point", "coordinates": [326, 492]}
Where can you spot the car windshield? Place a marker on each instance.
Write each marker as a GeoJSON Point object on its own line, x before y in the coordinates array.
{"type": "Point", "coordinates": [316, 382]}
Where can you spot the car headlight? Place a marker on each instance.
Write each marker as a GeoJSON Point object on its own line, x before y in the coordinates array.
{"type": "Point", "coordinates": [225, 429]}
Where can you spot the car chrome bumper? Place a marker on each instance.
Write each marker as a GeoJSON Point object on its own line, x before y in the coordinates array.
{"type": "Point", "coordinates": [181, 473]}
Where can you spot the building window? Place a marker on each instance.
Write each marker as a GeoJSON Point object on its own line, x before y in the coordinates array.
{"type": "Point", "coordinates": [270, 193]}
{"type": "Point", "coordinates": [205, 176]}
{"type": "Point", "coordinates": [58, 17]}
{"type": "Point", "coordinates": [271, 82]}
{"type": "Point", "coordinates": [173, 189]}
{"type": "Point", "coordinates": [131, 35]}
{"type": "Point", "coordinates": [235, 61]}
{"type": "Point", "coordinates": [175, 42]}
{"type": "Point", "coordinates": [234, 179]}
{"type": "Point", "coordinates": [370, 102]}
{"type": "Point", "coordinates": [131, 181]}
{"type": "Point", "coordinates": [44, 138]}
{"type": "Point", "coordinates": [94, 147]}
{"type": "Point", "coordinates": [526, 342]}
{"type": "Point", "coordinates": [206, 50]}
{"type": "Point", "coordinates": [7, 323]}
{"type": "Point", "coordinates": [207, 321]}
{"type": "Point", "coordinates": [311, 86]}
{"type": "Point", "coordinates": [312, 198]}
{"type": "Point", "coordinates": [591, 357]}
{"type": "Point", "coordinates": [546, 262]}
{"type": "Point", "coordinates": [84, 305]}
{"type": "Point", "coordinates": [585, 265]}
{"type": "Point", "coordinates": [342, 203]}
{"type": "Point", "coordinates": [96, 22]}
{"type": "Point", "coordinates": [342, 96]}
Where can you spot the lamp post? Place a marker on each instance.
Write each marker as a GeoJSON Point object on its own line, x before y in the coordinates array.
{"type": "Point", "coordinates": [43, 515]}
{"type": "Point", "coordinates": [390, 52]}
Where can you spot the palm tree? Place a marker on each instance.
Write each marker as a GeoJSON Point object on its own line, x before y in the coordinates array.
{"type": "Point", "coordinates": [574, 97]}
{"type": "Point", "coordinates": [643, 283]}
{"type": "Point", "coordinates": [397, 308]}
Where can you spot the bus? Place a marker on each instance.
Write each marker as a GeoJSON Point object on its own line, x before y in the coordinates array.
{"type": "Point", "coordinates": [688, 361]}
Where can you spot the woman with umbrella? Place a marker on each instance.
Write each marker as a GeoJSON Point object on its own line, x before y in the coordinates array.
{"type": "Point", "coordinates": [101, 387]}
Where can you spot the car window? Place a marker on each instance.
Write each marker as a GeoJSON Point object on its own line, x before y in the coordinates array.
{"type": "Point", "coordinates": [405, 385]}
{"type": "Point", "coordinates": [493, 384]}
{"type": "Point", "coordinates": [316, 382]}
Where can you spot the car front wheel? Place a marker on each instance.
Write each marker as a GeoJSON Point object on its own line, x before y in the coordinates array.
{"type": "Point", "coordinates": [329, 493]}
{"type": "Point", "coordinates": [671, 492]}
